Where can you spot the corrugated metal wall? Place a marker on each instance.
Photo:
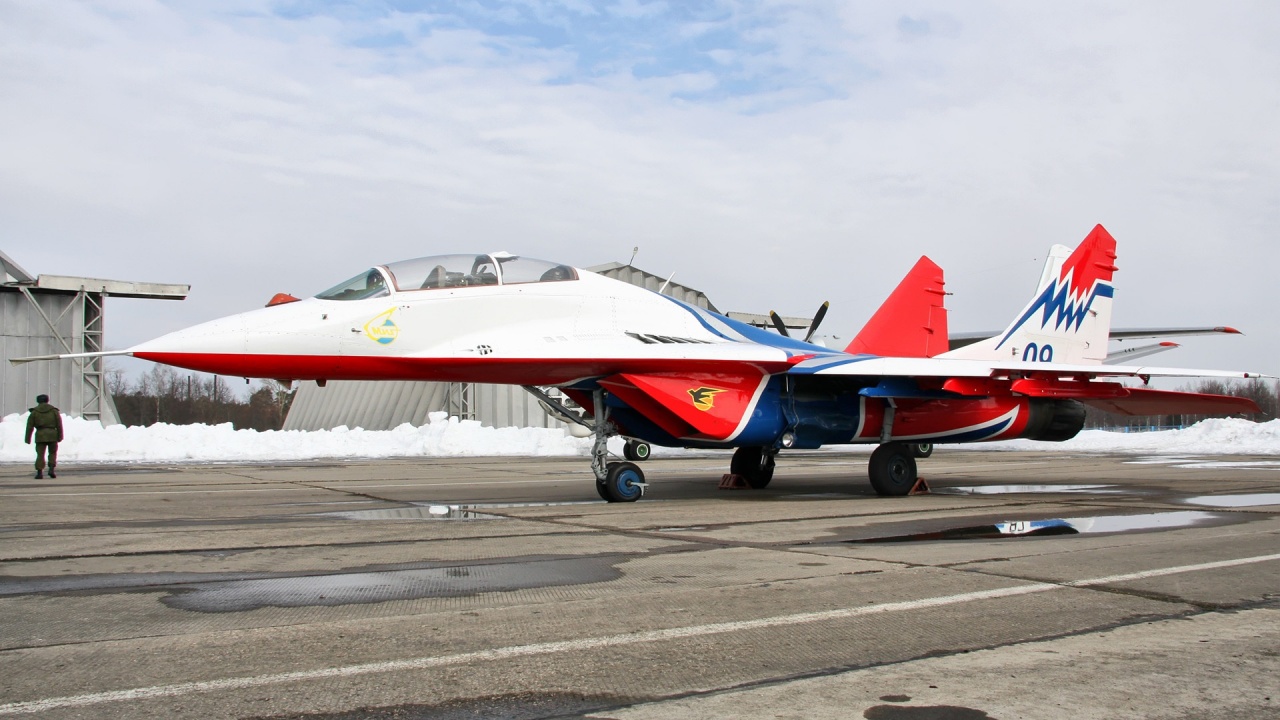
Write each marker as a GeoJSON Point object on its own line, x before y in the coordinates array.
{"type": "Point", "coordinates": [386, 404]}
{"type": "Point", "coordinates": [24, 332]}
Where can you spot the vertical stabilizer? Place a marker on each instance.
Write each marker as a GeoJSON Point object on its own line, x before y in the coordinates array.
{"type": "Point", "coordinates": [1058, 255]}
{"type": "Point", "coordinates": [1069, 318]}
{"type": "Point", "coordinates": [912, 322]}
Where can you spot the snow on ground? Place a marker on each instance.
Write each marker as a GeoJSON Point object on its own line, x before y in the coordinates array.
{"type": "Point", "coordinates": [89, 442]}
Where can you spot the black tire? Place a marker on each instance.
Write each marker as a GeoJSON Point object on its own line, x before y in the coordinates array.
{"type": "Point", "coordinates": [922, 450]}
{"type": "Point", "coordinates": [636, 450]}
{"type": "Point", "coordinates": [621, 483]}
{"type": "Point", "coordinates": [755, 464]}
{"type": "Point", "coordinates": [893, 469]}
{"type": "Point", "coordinates": [602, 489]}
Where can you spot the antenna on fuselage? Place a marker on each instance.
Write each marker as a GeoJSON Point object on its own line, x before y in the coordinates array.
{"type": "Point", "coordinates": [668, 282]}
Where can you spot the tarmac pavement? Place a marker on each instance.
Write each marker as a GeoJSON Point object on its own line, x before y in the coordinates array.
{"type": "Point", "coordinates": [1027, 585]}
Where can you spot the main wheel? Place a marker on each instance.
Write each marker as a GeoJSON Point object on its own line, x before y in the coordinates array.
{"type": "Point", "coordinates": [893, 469]}
{"type": "Point", "coordinates": [636, 450]}
{"type": "Point", "coordinates": [623, 483]}
{"type": "Point", "coordinates": [922, 450]}
{"type": "Point", "coordinates": [753, 463]}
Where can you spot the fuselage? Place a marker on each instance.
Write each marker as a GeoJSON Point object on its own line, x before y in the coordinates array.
{"type": "Point", "coordinates": [533, 333]}
{"type": "Point", "coordinates": [675, 374]}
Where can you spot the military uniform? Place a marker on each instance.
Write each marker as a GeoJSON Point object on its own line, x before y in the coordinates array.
{"type": "Point", "coordinates": [46, 422]}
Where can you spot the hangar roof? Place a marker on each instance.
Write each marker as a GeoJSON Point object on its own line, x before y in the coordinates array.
{"type": "Point", "coordinates": [15, 276]}
{"type": "Point", "coordinates": [645, 279]}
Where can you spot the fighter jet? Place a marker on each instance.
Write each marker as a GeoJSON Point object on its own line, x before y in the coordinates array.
{"type": "Point", "coordinates": [648, 366]}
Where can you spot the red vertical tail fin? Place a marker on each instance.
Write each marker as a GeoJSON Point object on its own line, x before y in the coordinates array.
{"type": "Point", "coordinates": [912, 321]}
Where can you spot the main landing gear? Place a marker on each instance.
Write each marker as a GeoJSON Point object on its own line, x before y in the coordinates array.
{"type": "Point", "coordinates": [637, 450]}
{"type": "Point", "coordinates": [754, 464]}
{"type": "Point", "coordinates": [893, 468]}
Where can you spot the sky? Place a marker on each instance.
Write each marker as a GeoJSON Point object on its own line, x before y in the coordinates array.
{"type": "Point", "coordinates": [772, 154]}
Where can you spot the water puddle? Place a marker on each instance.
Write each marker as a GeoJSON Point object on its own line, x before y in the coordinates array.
{"type": "Point", "coordinates": [1231, 465]}
{"type": "Point", "coordinates": [427, 512]}
{"type": "Point", "coordinates": [1067, 526]}
{"type": "Point", "coordinates": [444, 511]}
{"type": "Point", "coordinates": [1017, 489]}
{"type": "Point", "coordinates": [374, 587]}
{"type": "Point", "coordinates": [1200, 463]}
{"type": "Point", "coordinates": [1235, 501]}
{"type": "Point", "coordinates": [330, 503]}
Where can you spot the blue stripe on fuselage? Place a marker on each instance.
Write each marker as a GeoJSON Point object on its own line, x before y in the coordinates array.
{"type": "Point", "coordinates": [752, 333]}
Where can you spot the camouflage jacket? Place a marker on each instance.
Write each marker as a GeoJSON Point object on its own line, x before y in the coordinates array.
{"type": "Point", "coordinates": [46, 422]}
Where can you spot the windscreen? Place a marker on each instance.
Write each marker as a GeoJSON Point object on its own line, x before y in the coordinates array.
{"type": "Point", "coordinates": [368, 284]}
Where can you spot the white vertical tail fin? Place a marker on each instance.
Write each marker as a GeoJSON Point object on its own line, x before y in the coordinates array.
{"type": "Point", "coordinates": [1069, 318]}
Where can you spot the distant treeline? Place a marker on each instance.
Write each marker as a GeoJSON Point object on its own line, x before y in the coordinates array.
{"type": "Point", "coordinates": [168, 396]}
{"type": "Point", "coordinates": [1265, 394]}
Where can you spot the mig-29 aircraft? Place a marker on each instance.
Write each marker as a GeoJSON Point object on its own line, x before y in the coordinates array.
{"type": "Point", "coordinates": [650, 367]}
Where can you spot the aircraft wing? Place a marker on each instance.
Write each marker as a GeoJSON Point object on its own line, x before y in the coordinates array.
{"type": "Point", "coordinates": [1151, 333]}
{"type": "Point", "coordinates": [941, 378]}
{"type": "Point", "coordinates": [868, 366]}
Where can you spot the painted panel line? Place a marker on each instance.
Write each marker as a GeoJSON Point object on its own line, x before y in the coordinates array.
{"type": "Point", "coordinates": [240, 683]}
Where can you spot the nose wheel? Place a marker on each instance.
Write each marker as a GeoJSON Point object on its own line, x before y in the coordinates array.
{"type": "Point", "coordinates": [615, 481]}
{"type": "Point", "coordinates": [623, 482]}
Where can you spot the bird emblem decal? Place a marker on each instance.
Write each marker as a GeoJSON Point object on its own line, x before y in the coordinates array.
{"type": "Point", "coordinates": [704, 398]}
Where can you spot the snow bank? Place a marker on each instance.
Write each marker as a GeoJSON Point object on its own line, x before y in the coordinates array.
{"type": "Point", "coordinates": [1227, 436]}
{"type": "Point", "coordinates": [448, 437]}
{"type": "Point", "coordinates": [88, 441]}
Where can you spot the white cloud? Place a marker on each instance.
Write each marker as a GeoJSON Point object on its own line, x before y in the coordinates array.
{"type": "Point", "coordinates": [249, 154]}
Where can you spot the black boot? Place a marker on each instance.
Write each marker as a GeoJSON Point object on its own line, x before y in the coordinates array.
{"type": "Point", "coordinates": [39, 475]}
{"type": "Point", "coordinates": [52, 474]}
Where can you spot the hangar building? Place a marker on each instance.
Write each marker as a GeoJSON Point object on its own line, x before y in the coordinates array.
{"type": "Point", "coordinates": [59, 314]}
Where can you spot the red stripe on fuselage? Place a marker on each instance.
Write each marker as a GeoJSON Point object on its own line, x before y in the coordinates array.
{"type": "Point", "coordinates": [511, 371]}
{"type": "Point", "coordinates": [924, 418]}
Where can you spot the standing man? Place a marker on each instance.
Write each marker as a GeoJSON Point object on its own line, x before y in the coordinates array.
{"type": "Point", "coordinates": [46, 422]}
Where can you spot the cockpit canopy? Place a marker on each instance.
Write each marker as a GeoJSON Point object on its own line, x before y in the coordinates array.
{"type": "Point", "coordinates": [448, 271]}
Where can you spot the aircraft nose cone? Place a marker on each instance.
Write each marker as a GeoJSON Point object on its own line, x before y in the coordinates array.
{"type": "Point", "coordinates": [221, 336]}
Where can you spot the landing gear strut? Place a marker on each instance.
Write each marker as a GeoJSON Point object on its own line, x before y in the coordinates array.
{"type": "Point", "coordinates": [615, 481]}
{"type": "Point", "coordinates": [893, 469]}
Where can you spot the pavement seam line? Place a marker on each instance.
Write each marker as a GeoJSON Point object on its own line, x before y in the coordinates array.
{"type": "Point", "coordinates": [160, 691]}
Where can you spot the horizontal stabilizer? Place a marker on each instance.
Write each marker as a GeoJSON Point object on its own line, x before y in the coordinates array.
{"type": "Point", "coordinates": [912, 322]}
{"type": "Point", "coordinates": [1143, 401]}
{"type": "Point", "coordinates": [1115, 357]}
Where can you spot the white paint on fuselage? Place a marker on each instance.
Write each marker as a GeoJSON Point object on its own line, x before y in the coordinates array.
{"type": "Point", "coordinates": [584, 318]}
